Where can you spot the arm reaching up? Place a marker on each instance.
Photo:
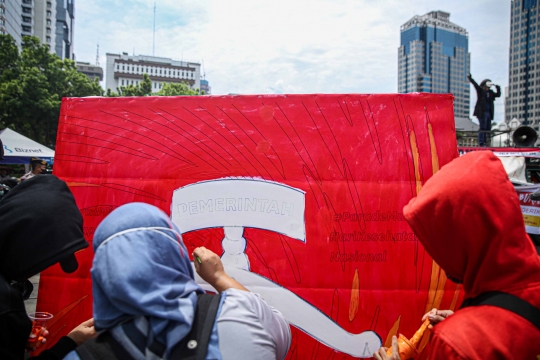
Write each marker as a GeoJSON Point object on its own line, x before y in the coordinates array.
{"type": "Point", "coordinates": [210, 268]}
{"type": "Point", "coordinates": [498, 93]}
{"type": "Point", "coordinates": [471, 80]}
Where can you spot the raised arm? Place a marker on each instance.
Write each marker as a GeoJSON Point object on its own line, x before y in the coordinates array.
{"type": "Point", "coordinates": [210, 269]}
{"type": "Point", "coordinates": [471, 80]}
{"type": "Point", "coordinates": [498, 93]}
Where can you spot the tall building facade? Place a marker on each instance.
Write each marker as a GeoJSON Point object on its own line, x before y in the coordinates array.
{"type": "Point", "coordinates": [44, 24]}
{"type": "Point", "coordinates": [123, 70]}
{"type": "Point", "coordinates": [434, 57]}
{"type": "Point", "coordinates": [42, 19]}
{"type": "Point", "coordinates": [10, 19]}
{"type": "Point", "coordinates": [523, 93]}
{"type": "Point", "coordinates": [65, 21]}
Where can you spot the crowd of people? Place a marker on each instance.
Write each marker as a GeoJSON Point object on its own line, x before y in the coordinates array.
{"type": "Point", "coordinates": [148, 305]}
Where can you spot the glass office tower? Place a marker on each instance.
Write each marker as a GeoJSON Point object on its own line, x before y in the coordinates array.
{"type": "Point", "coordinates": [434, 57]}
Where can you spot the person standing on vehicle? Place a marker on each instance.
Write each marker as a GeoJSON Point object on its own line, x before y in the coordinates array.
{"type": "Point", "coordinates": [484, 108]}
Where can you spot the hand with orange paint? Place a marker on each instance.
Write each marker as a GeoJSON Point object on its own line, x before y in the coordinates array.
{"type": "Point", "coordinates": [436, 316]}
{"type": "Point", "coordinates": [382, 355]}
{"type": "Point", "coordinates": [42, 340]}
{"type": "Point", "coordinates": [83, 332]}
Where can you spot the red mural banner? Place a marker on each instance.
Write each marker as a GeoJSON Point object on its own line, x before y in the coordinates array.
{"type": "Point", "coordinates": [314, 185]}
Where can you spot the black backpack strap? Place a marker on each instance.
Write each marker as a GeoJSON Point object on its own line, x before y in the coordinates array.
{"type": "Point", "coordinates": [102, 347]}
{"type": "Point", "coordinates": [194, 346]}
{"type": "Point", "coordinates": [509, 302]}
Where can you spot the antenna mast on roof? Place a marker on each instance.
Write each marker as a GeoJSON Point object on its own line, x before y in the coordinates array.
{"type": "Point", "coordinates": [97, 54]}
{"type": "Point", "coordinates": [154, 38]}
{"type": "Point", "coordinates": [203, 72]}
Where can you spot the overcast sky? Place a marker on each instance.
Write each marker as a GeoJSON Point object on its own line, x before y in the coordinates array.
{"type": "Point", "coordinates": [289, 46]}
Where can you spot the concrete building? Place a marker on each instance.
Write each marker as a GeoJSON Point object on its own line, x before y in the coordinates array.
{"type": "Point", "coordinates": [28, 18]}
{"type": "Point", "coordinates": [92, 71]}
{"type": "Point", "coordinates": [434, 57]}
{"type": "Point", "coordinates": [44, 24]}
{"type": "Point", "coordinates": [39, 18]}
{"type": "Point", "coordinates": [65, 22]}
{"type": "Point", "coordinates": [123, 70]}
{"type": "Point", "coordinates": [10, 19]}
{"type": "Point", "coordinates": [522, 96]}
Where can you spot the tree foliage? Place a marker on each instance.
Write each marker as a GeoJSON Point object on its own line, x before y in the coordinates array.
{"type": "Point", "coordinates": [32, 84]}
{"type": "Point", "coordinates": [175, 89]}
{"type": "Point", "coordinates": [144, 88]}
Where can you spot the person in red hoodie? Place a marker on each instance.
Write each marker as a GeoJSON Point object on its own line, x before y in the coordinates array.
{"type": "Point", "coordinates": [468, 218]}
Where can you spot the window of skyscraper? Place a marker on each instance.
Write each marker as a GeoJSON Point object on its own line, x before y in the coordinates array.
{"type": "Point", "coordinates": [528, 4]}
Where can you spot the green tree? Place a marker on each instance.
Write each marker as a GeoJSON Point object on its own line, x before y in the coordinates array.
{"type": "Point", "coordinates": [144, 88]}
{"type": "Point", "coordinates": [32, 85]}
{"type": "Point", "coordinates": [177, 89]}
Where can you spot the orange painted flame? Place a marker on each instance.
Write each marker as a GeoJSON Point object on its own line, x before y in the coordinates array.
{"type": "Point", "coordinates": [433, 147]}
{"type": "Point", "coordinates": [393, 331]}
{"type": "Point", "coordinates": [79, 184]}
{"type": "Point", "coordinates": [355, 296]}
{"type": "Point", "coordinates": [416, 162]}
{"type": "Point", "coordinates": [438, 276]}
{"type": "Point", "coordinates": [455, 298]}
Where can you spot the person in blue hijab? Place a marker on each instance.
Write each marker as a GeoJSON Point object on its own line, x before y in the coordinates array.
{"type": "Point", "coordinates": [145, 294]}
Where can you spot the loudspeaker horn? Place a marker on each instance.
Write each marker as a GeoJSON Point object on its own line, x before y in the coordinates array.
{"type": "Point", "coordinates": [525, 136]}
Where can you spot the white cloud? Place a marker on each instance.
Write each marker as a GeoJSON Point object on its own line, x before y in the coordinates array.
{"type": "Point", "coordinates": [294, 46]}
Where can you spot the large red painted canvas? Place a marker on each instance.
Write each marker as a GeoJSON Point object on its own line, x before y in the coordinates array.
{"type": "Point", "coordinates": [344, 165]}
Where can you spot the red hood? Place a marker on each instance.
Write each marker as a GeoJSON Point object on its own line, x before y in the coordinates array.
{"type": "Point", "coordinates": [468, 218]}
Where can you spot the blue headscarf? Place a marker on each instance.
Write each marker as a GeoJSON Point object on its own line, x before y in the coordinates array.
{"type": "Point", "coordinates": [141, 271]}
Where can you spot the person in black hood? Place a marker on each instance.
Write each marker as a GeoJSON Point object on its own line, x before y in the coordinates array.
{"type": "Point", "coordinates": [40, 225]}
{"type": "Point", "coordinates": [484, 108]}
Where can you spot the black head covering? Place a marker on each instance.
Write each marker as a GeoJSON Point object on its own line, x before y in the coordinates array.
{"type": "Point", "coordinates": [484, 82]}
{"type": "Point", "coordinates": [37, 161]}
{"type": "Point", "coordinates": [40, 225]}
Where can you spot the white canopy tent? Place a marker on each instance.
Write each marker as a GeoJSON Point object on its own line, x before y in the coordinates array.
{"type": "Point", "coordinates": [18, 149]}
